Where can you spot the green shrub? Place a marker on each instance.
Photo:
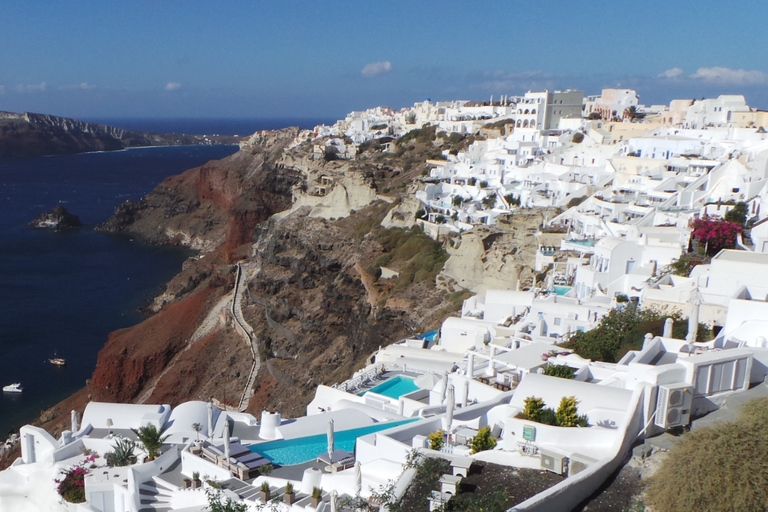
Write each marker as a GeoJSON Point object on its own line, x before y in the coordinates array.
{"type": "Point", "coordinates": [559, 370]}
{"type": "Point", "coordinates": [567, 412]}
{"type": "Point", "coordinates": [436, 440]}
{"type": "Point", "coordinates": [123, 454]}
{"type": "Point", "coordinates": [719, 468]}
{"type": "Point", "coordinates": [548, 416]}
{"type": "Point", "coordinates": [624, 329]}
{"type": "Point", "coordinates": [483, 440]}
{"type": "Point", "coordinates": [578, 138]}
{"type": "Point", "coordinates": [532, 408]}
{"type": "Point", "coordinates": [266, 469]}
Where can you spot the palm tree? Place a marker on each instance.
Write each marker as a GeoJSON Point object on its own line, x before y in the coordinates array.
{"type": "Point", "coordinates": [151, 439]}
{"type": "Point", "coordinates": [631, 113]}
{"type": "Point", "coordinates": [197, 428]}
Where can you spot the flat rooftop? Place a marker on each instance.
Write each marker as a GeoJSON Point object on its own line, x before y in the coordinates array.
{"type": "Point", "coordinates": [742, 256]}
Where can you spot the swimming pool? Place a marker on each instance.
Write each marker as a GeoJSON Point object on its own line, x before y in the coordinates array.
{"type": "Point", "coordinates": [562, 290]}
{"type": "Point", "coordinates": [395, 387]}
{"type": "Point", "coordinates": [287, 452]}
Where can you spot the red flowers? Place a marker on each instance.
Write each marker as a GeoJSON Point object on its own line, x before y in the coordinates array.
{"type": "Point", "coordinates": [715, 234]}
{"type": "Point", "coordinates": [72, 486]}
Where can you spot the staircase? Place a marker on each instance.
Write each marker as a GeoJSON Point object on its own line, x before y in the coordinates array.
{"type": "Point", "coordinates": [156, 495]}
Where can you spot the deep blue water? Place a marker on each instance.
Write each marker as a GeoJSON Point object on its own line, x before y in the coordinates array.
{"type": "Point", "coordinates": [64, 292]}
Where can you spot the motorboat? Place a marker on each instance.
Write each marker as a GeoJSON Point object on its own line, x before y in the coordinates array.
{"type": "Point", "coordinates": [13, 388]}
{"type": "Point", "coordinates": [58, 361]}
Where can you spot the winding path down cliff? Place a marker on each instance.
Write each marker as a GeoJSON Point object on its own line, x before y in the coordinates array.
{"type": "Point", "coordinates": [246, 332]}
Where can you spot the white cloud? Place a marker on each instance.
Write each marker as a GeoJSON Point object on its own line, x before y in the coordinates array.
{"type": "Point", "coordinates": [728, 76]}
{"type": "Point", "coordinates": [672, 73]}
{"type": "Point", "coordinates": [172, 86]}
{"type": "Point", "coordinates": [82, 85]}
{"type": "Point", "coordinates": [31, 88]}
{"type": "Point", "coordinates": [377, 68]}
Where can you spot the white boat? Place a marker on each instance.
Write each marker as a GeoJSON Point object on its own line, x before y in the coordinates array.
{"type": "Point", "coordinates": [13, 388]}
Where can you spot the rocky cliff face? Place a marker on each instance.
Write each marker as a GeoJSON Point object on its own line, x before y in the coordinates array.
{"type": "Point", "coordinates": [314, 296]}
{"type": "Point", "coordinates": [28, 134]}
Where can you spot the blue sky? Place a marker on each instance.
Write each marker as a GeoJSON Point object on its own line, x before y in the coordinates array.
{"type": "Point", "coordinates": [186, 58]}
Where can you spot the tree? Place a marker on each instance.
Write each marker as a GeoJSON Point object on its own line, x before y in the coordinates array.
{"type": "Point", "coordinates": [738, 214]}
{"type": "Point", "coordinates": [457, 200]}
{"type": "Point", "coordinates": [624, 329]}
{"type": "Point", "coordinates": [715, 234]}
{"type": "Point", "coordinates": [532, 407]}
{"type": "Point", "coordinates": [436, 440]}
{"type": "Point", "coordinates": [631, 113]}
{"type": "Point", "coordinates": [217, 502]}
{"type": "Point", "coordinates": [685, 263]}
{"type": "Point", "coordinates": [197, 428]}
{"type": "Point", "coordinates": [483, 440]}
{"type": "Point", "coordinates": [489, 201]}
{"type": "Point", "coordinates": [577, 138]}
{"type": "Point", "coordinates": [151, 439]}
{"type": "Point", "coordinates": [567, 412]}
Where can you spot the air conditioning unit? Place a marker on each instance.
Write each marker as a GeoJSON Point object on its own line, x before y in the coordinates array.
{"type": "Point", "coordinates": [554, 462]}
{"type": "Point", "coordinates": [579, 463]}
{"type": "Point", "coordinates": [673, 405]}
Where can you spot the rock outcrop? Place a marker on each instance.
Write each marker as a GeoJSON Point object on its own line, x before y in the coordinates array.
{"type": "Point", "coordinates": [57, 218]}
{"type": "Point", "coordinates": [23, 135]}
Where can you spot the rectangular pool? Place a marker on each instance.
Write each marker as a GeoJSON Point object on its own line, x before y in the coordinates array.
{"type": "Point", "coordinates": [395, 387]}
{"type": "Point", "coordinates": [287, 452]}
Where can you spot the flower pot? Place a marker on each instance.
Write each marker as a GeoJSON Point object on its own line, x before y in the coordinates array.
{"type": "Point", "coordinates": [264, 495]}
{"type": "Point", "coordinates": [289, 498]}
{"type": "Point", "coordinates": [187, 483]}
{"type": "Point", "coordinates": [196, 483]}
{"type": "Point", "coordinates": [316, 501]}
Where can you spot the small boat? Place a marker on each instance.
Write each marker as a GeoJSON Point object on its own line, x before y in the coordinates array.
{"type": "Point", "coordinates": [13, 388]}
{"type": "Point", "coordinates": [58, 361]}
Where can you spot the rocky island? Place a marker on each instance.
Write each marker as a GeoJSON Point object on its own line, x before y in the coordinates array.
{"type": "Point", "coordinates": [27, 134]}
{"type": "Point", "coordinates": [57, 218]}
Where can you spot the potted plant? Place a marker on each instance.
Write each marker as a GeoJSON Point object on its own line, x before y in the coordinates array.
{"type": "Point", "coordinates": [151, 439]}
{"type": "Point", "coordinates": [317, 496]}
{"type": "Point", "coordinates": [264, 493]}
{"type": "Point", "coordinates": [196, 480]}
{"type": "Point", "coordinates": [289, 497]}
{"type": "Point", "coordinates": [197, 428]}
{"type": "Point", "coordinates": [187, 482]}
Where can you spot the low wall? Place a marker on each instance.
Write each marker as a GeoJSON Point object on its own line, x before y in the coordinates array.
{"type": "Point", "coordinates": [71, 450]}
{"type": "Point", "coordinates": [573, 490]}
{"type": "Point", "coordinates": [191, 463]}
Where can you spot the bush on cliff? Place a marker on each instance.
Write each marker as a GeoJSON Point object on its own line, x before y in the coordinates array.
{"type": "Point", "coordinates": [720, 468]}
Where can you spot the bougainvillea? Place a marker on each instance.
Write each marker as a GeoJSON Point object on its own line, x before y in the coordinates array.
{"type": "Point", "coordinates": [71, 486]}
{"type": "Point", "coordinates": [715, 234]}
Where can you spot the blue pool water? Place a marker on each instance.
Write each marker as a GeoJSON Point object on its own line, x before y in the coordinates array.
{"type": "Point", "coordinates": [395, 387]}
{"type": "Point", "coordinates": [562, 290]}
{"type": "Point", "coordinates": [287, 452]}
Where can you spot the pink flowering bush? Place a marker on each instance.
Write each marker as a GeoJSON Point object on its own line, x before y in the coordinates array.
{"type": "Point", "coordinates": [72, 486]}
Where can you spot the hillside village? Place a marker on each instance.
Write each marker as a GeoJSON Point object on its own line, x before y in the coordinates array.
{"type": "Point", "coordinates": [649, 208]}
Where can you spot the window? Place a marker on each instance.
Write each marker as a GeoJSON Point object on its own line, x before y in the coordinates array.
{"type": "Point", "coordinates": [557, 320]}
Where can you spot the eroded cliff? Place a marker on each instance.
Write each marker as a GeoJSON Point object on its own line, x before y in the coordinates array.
{"type": "Point", "coordinates": [314, 294]}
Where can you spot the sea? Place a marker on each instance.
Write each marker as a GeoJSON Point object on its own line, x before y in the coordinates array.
{"type": "Point", "coordinates": [63, 292]}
